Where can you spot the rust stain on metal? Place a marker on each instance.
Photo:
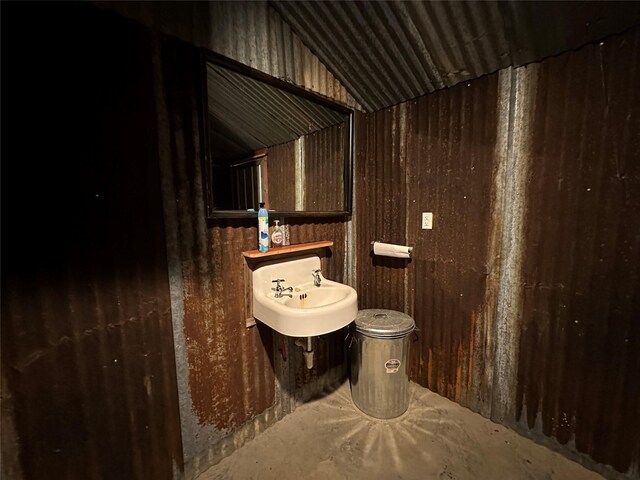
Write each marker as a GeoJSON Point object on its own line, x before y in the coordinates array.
{"type": "Point", "coordinates": [460, 363]}
{"type": "Point", "coordinates": [577, 378]}
{"type": "Point", "coordinates": [429, 367]}
{"type": "Point", "coordinates": [229, 365]}
{"type": "Point", "coordinates": [470, 356]}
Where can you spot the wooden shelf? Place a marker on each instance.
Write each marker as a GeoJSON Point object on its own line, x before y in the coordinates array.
{"type": "Point", "coordinates": [300, 247]}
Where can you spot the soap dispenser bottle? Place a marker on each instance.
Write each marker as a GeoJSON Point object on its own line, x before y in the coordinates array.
{"type": "Point", "coordinates": [277, 237]}
{"type": "Point", "coordinates": [263, 229]}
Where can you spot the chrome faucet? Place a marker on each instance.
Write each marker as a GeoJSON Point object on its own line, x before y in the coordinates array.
{"type": "Point", "coordinates": [316, 277]}
{"type": "Point", "coordinates": [280, 289]}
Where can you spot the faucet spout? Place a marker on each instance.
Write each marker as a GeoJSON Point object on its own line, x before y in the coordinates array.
{"type": "Point", "coordinates": [317, 279]}
{"type": "Point", "coordinates": [279, 289]}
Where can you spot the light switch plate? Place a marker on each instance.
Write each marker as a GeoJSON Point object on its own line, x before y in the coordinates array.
{"type": "Point", "coordinates": [427, 220]}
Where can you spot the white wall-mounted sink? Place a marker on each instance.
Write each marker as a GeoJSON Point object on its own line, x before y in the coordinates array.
{"type": "Point", "coordinates": [306, 310]}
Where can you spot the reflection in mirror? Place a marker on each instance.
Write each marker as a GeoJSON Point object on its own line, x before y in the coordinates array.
{"type": "Point", "coordinates": [269, 141]}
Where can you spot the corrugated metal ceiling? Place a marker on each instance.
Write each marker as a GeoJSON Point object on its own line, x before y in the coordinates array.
{"type": "Point", "coordinates": [388, 52]}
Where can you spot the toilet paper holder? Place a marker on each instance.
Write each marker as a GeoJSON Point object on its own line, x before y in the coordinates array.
{"type": "Point", "coordinates": [391, 249]}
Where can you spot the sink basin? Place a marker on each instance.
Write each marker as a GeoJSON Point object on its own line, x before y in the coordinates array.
{"type": "Point", "coordinates": [306, 310]}
{"type": "Point", "coordinates": [316, 297]}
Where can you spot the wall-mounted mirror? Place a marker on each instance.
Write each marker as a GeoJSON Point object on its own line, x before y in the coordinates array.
{"type": "Point", "coordinates": [269, 141]}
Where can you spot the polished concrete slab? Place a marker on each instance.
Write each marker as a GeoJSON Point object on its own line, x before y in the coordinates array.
{"type": "Point", "coordinates": [329, 438]}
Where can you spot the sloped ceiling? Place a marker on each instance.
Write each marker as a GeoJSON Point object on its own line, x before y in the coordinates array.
{"type": "Point", "coordinates": [387, 52]}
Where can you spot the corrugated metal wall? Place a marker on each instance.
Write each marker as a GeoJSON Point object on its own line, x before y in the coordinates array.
{"type": "Point", "coordinates": [381, 207]}
{"type": "Point", "coordinates": [308, 230]}
{"type": "Point", "coordinates": [450, 157]}
{"type": "Point", "coordinates": [579, 357]}
{"type": "Point", "coordinates": [321, 155]}
{"type": "Point", "coordinates": [532, 176]}
{"type": "Point", "coordinates": [282, 177]}
{"type": "Point", "coordinates": [324, 168]}
{"type": "Point", "coordinates": [87, 347]}
{"type": "Point", "coordinates": [433, 155]}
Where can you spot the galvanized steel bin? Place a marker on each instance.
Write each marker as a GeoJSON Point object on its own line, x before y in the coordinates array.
{"type": "Point", "coordinates": [379, 350]}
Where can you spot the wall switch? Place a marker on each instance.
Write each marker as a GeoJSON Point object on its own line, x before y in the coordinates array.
{"type": "Point", "coordinates": [427, 220]}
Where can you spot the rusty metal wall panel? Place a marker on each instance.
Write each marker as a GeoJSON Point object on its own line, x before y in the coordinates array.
{"type": "Point", "coordinates": [230, 372]}
{"type": "Point", "coordinates": [451, 149]}
{"type": "Point", "coordinates": [322, 155]}
{"type": "Point", "coordinates": [387, 52]}
{"type": "Point", "coordinates": [433, 155]}
{"type": "Point", "coordinates": [381, 207]}
{"type": "Point", "coordinates": [87, 348]}
{"type": "Point", "coordinates": [281, 177]}
{"type": "Point", "coordinates": [230, 378]}
{"type": "Point", "coordinates": [579, 356]}
{"type": "Point", "coordinates": [323, 169]}
{"type": "Point", "coordinates": [250, 32]}
{"type": "Point", "coordinates": [580, 128]}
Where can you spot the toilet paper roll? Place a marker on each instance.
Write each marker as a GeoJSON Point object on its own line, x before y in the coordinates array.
{"type": "Point", "coordinates": [391, 250]}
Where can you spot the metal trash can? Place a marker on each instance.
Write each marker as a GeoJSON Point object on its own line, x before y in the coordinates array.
{"type": "Point", "coordinates": [379, 350]}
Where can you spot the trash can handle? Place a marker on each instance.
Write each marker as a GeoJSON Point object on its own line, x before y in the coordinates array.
{"type": "Point", "coordinates": [377, 315]}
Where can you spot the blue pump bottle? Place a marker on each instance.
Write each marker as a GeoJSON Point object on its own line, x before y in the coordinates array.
{"type": "Point", "coordinates": [263, 229]}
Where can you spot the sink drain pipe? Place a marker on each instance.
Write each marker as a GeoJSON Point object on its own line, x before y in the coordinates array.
{"type": "Point", "coordinates": [307, 350]}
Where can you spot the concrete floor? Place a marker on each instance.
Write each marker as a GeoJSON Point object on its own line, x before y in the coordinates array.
{"type": "Point", "coordinates": [330, 438]}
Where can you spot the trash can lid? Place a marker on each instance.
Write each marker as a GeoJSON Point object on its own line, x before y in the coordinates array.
{"type": "Point", "coordinates": [380, 323]}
